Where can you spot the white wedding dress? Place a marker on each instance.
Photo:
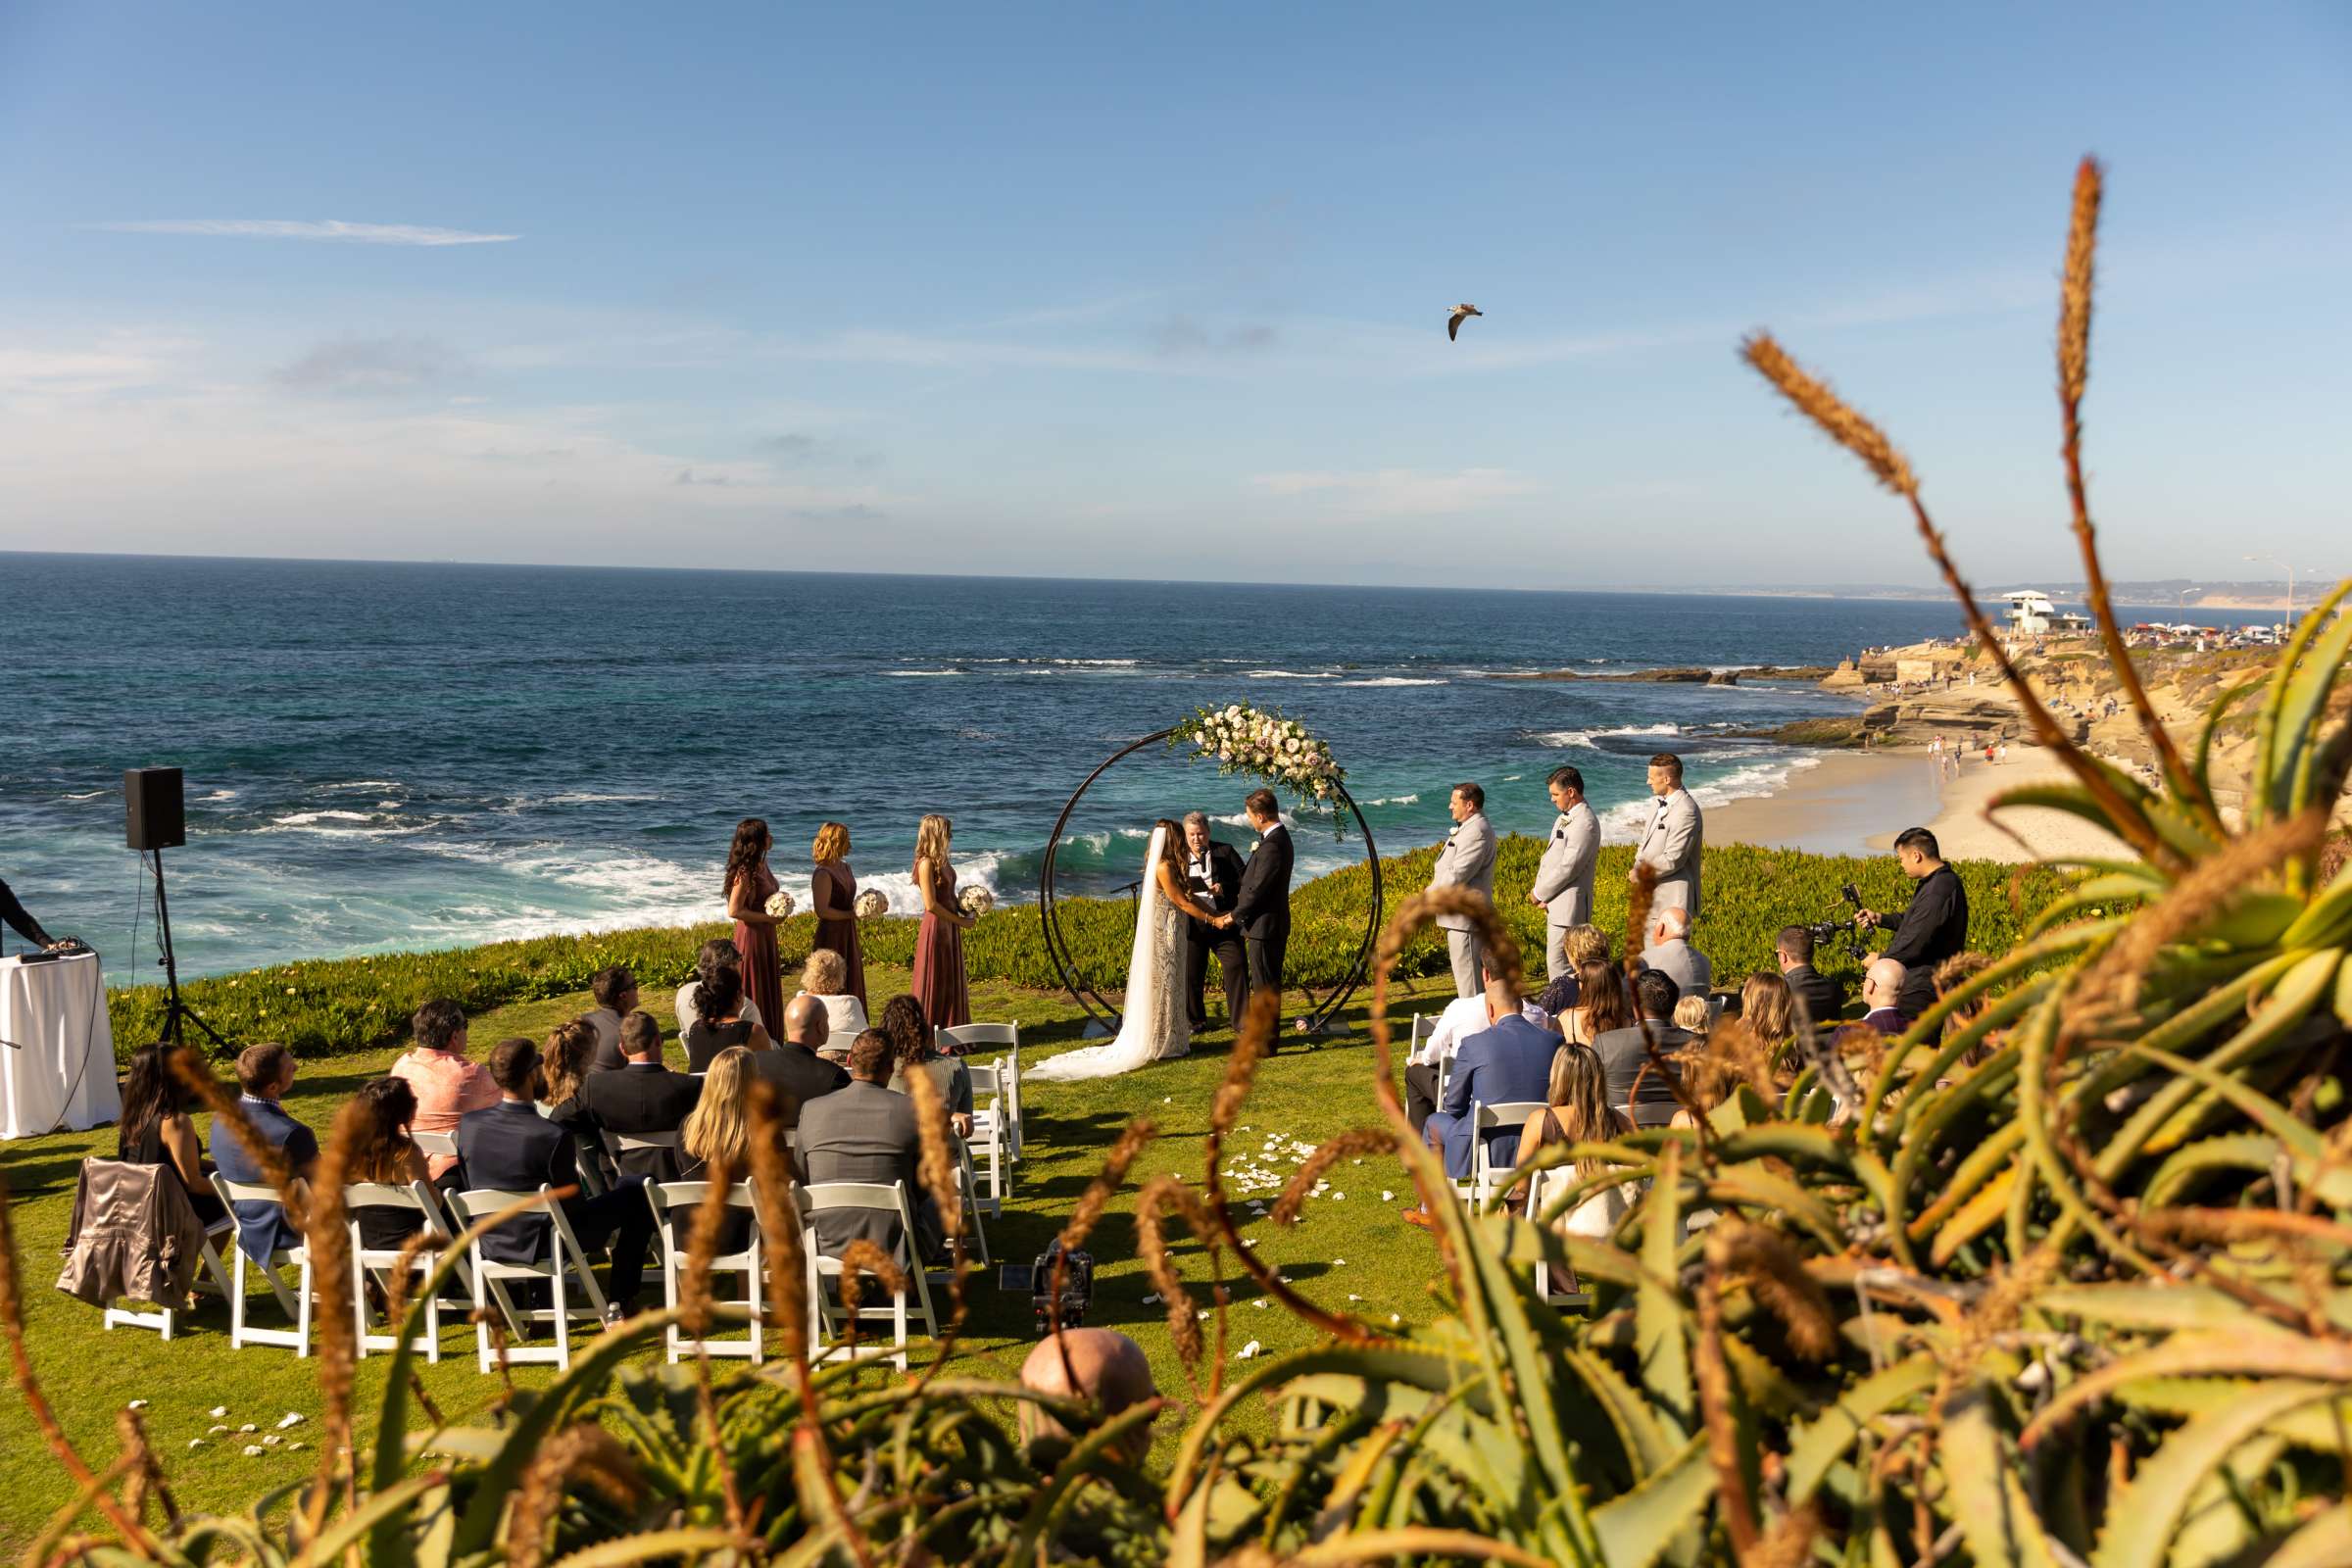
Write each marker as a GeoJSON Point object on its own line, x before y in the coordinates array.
{"type": "Point", "coordinates": [1153, 1027]}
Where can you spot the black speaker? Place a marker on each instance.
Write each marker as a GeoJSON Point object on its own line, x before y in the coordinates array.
{"type": "Point", "coordinates": [152, 817]}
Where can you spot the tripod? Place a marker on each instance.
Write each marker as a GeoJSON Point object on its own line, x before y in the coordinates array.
{"type": "Point", "coordinates": [175, 1011]}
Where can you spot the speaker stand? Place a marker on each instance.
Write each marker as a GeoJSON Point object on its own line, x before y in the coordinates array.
{"type": "Point", "coordinates": [175, 1011]}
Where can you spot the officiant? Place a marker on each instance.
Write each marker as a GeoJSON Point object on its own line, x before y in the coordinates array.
{"type": "Point", "coordinates": [1212, 874]}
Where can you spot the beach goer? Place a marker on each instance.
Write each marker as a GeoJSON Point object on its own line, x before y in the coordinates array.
{"type": "Point", "coordinates": [1467, 861]}
{"type": "Point", "coordinates": [1670, 951]}
{"type": "Point", "coordinates": [833, 895]}
{"type": "Point", "coordinates": [1881, 989]}
{"type": "Point", "coordinates": [718, 1023]}
{"type": "Point", "coordinates": [940, 983]}
{"type": "Point", "coordinates": [156, 1129]}
{"type": "Point", "coordinates": [446, 1084]}
{"type": "Point", "coordinates": [264, 1073]}
{"type": "Point", "coordinates": [748, 885]}
{"type": "Point", "coordinates": [1670, 843]}
{"type": "Point", "coordinates": [1933, 927]}
{"type": "Point", "coordinates": [1563, 885]}
{"type": "Point", "coordinates": [1577, 1111]}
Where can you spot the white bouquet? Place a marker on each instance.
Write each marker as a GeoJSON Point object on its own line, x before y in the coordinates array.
{"type": "Point", "coordinates": [870, 905]}
{"type": "Point", "coordinates": [975, 899]}
{"type": "Point", "coordinates": [779, 905]}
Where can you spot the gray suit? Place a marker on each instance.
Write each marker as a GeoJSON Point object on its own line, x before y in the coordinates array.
{"type": "Point", "coordinates": [1564, 881]}
{"type": "Point", "coordinates": [1466, 862]}
{"type": "Point", "coordinates": [1684, 964]}
{"type": "Point", "coordinates": [862, 1132]}
{"type": "Point", "coordinates": [1676, 835]}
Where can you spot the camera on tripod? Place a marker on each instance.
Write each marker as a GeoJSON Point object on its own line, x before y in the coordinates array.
{"type": "Point", "coordinates": [1845, 929]}
{"type": "Point", "coordinates": [1077, 1271]}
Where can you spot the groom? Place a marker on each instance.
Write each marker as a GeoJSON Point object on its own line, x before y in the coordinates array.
{"type": "Point", "coordinates": [1261, 907]}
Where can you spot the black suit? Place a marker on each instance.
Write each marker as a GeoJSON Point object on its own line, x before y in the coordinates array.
{"type": "Point", "coordinates": [642, 1098]}
{"type": "Point", "coordinates": [1216, 891]}
{"type": "Point", "coordinates": [1823, 997]}
{"type": "Point", "coordinates": [799, 1074]}
{"type": "Point", "coordinates": [1261, 909]}
{"type": "Point", "coordinates": [510, 1148]}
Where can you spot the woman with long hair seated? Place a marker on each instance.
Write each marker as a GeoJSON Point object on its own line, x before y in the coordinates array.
{"type": "Point", "coordinates": [827, 977]}
{"type": "Point", "coordinates": [570, 1058]}
{"type": "Point", "coordinates": [1768, 1009]}
{"type": "Point", "coordinates": [387, 1154]}
{"type": "Point", "coordinates": [1600, 1004]}
{"type": "Point", "coordinates": [912, 1049]}
{"type": "Point", "coordinates": [718, 1023]}
{"type": "Point", "coordinates": [1577, 1111]}
{"type": "Point", "coordinates": [719, 1132]}
{"type": "Point", "coordinates": [156, 1128]}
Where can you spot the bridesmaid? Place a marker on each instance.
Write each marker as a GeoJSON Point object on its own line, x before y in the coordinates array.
{"type": "Point", "coordinates": [833, 895]}
{"type": "Point", "coordinates": [939, 979]}
{"type": "Point", "coordinates": [749, 886]}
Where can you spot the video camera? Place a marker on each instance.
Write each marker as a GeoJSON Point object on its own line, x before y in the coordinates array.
{"type": "Point", "coordinates": [1077, 1288]}
{"type": "Point", "coordinates": [1845, 928]}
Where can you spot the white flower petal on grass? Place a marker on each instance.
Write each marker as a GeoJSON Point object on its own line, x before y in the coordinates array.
{"type": "Point", "coordinates": [1352, 1297]}
{"type": "Point", "coordinates": [254, 1450]}
{"type": "Point", "coordinates": [1339, 1262]}
{"type": "Point", "coordinates": [136, 1405]}
{"type": "Point", "coordinates": [216, 1431]}
{"type": "Point", "coordinates": [1247, 1352]}
{"type": "Point", "coordinates": [249, 1427]}
{"type": "Point", "coordinates": [217, 1411]}
{"type": "Point", "coordinates": [1387, 1197]}
{"type": "Point", "coordinates": [271, 1440]}
{"type": "Point", "coordinates": [292, 1418]}
{"type": "Point", "coordinates": [1259, 1303]}
{"type": "Point", "coordinates": [1395, 1318]}
{"type": "Point", "coordinates": [195, 1442]}
{"type": "Point", "coordinates": [293, 1446]}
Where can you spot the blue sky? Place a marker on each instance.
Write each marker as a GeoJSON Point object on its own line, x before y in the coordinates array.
{"type": "Point", "coordinates": [1161, 291]}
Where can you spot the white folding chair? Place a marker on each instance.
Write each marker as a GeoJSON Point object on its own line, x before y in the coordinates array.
{"type": "Point", "coordinates": [682, 1198]}
{"type": "Point", "coordinates": [1542, 1187]}
{"type": "Point", "coordinates": [444, 1144]}
{"type": "Point", "coordinates": [618, 1143]}
{"type": "Point", "coordinates": [1009, 1071]}
{"type": "Point", "coordinates": [297, 1303]}
{"type": "Point", "coordinates": [822, 1196]}
{"type": "Point", "coordinates": [564, 1264]}
{"type": "Point", "coordinates": [1485, 1177]}
{"type": "Point", "coordinates": [970, 1179]}
{"type": "Point", "coordinates": [988, 1129]}
{"type": "Point", "coordinates": [212, 1278]}
{"type": "Point", "coordinates": [415, 1197]}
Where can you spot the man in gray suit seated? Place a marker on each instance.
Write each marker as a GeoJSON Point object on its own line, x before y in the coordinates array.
{"type": "Point", "coordinates": [1670, 845]}
{"type": "Point", "coordinates": [1563, 887]}
{"type": "Point", "coordinates": [1670, 951]}
{"type": "Point", "coordinates": [862, 1132]}
{"type": "Point", "coordinates": [1466, 862]}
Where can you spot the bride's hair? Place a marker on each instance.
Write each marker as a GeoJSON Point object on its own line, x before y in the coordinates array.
{"type": "Point", "coordinates": [1171, 845]}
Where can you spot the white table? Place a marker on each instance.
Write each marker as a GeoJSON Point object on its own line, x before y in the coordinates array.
{"type": "Point", "coordinates": [57, 1047]}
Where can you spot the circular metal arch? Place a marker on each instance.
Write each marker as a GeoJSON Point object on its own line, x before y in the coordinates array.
{"type": "Point", "coordinates": [1098, 1007]}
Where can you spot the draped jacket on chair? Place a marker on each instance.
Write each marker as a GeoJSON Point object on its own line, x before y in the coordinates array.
{"type": "Point", "coordinates": [134, 1236]}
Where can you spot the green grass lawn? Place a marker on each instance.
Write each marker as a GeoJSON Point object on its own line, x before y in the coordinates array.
{"type": "Point", "coordinates": [1350, 1244]}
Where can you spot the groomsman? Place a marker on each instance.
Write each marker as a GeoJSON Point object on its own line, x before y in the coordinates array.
{"type": "Point", "coordinates": [1676, 833]}
{"type": "Point", "coordinates": [1212, 874]}
{"type": "Point", "coordinates": [1563, 887]}
{"type": "Point", "coordinates": [1467, 861]}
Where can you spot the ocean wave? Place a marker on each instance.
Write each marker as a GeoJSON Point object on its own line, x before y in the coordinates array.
{"type": "Point", "coordinates": [86, 795]}
{"type": "Point", "coordinates": [908, 672]}
{"type": "Point", "coordinates": [344, 824]}
{"type": "Point", "coordinates": [1398, 680]}
{"type": "Point", "coordinates": [1624, 823]}
{"type": "Point", "coordinates": [361, 784]}
{"type": "Point", "coordinates": [1564, 738]}
{"type": "Point", "coordinates": [591, 798]}
{"type": "Point", "coordinates": [1392, 800]}
{"type": "Point", "coordinates": [218, 795]}
{"type": "Point", "coordinates": [1291, 674]}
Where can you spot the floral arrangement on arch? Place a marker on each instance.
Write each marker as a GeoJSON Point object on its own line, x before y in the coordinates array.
{"type": "Point", "coordinates": [1242, 739]}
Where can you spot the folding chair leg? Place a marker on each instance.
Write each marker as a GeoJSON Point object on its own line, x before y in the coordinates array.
{"type": "Point", "coordinates": [563, 1320]}
{"type": "Point", "coordinates": [302, 1315]}
{"type": "Point", "coordinates": [758, 1306]}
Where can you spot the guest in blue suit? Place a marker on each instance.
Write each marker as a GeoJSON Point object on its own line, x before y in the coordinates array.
{"type": "Point", "coordinates": [1508, 1060]}
{"type": "Point", "coordinates": [264, 1073]}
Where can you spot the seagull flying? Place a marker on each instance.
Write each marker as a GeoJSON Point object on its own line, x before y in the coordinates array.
{"type": "Point", "coordinates": [1453, 321]}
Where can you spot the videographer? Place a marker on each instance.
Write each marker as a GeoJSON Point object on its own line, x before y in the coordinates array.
{"type": "Point", "coordinates": [1932, 927]}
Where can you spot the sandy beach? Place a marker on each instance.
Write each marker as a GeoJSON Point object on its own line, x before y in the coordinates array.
{"type": "Point", "coordinates": [1854, 802]}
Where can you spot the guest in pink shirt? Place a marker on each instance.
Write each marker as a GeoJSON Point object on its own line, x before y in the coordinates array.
{"type": "Point", "coordinates": [447, 1086]}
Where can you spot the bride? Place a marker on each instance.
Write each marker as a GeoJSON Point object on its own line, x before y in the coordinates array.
{"type": "Point", "coordinates": [1153, 1027]}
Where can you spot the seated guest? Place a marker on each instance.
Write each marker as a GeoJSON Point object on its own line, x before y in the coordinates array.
{"type": "Point", "coordinates": [1583, 943]}
{"type": "Point", "coordinates": [1464, 1018]}
{"type": "Point", "coordinates": [1604, 1003]}
{"type": "Point", "coordinates": [447, 1084]}
{"type": "Point", "coordinates": [717, 953]}
{"type": "Point", "coordinates": [1508, 1060]}
{"type": "Point", "coordinates": [643, 1099]}
{"type": "Point", "coordinates": [1881, 992]}
{"type": "Point", "coordinates": [156, 1129]}
{"type": "Point", "coordinates": [827, 977]}
{"type": "Point", "coordinates": [717, 1022]}
{"type": "Point", "coordinates": [1625, 1052]}
{"type": "Point", "coordinates": [1765, 1008]}
{"type": "Point", "coordinates": [1950, 975]}
{"type": "Point", "coordinates": [1671, 952]}
{"type": "Point", "coordinates": [795, 1066]}
{"type": "Point", "coordinates": [264, 1075]}
{"type": "Point", "coordinates": [719, 1132]}
{"type": "Point", "coordinates": [1111, 1374]}
{"type": "Point", "coordinates": [510, 1148]}
{"type": "Point", "coordinates": [1577, 1111]}
{"type": "Point", "coordinates": [865, 1132]}
{"type": "Point", "coordinates": [616, 993]}
{"type": "Point", "coordinates": [568, 1057]}
{"type": "Point", "coordinates": [386, 1154]}
{"type": "Point", "coordinates": [1824, 999]}
{"type": "Point", "coordinates": [912, 1041]}
{"type": "Point", "coordinates": [1693, 1015]}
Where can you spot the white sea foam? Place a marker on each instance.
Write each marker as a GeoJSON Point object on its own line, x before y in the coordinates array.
{"type": "Point", "coordinates": [1291, 674]}
{"type": "Point", "coordinates": [218, 795]}
{"type": "Point", "coordinates": [1397, 680]}
{"type": "Point", "coordinates": [1566, 738]}
{"type": "Point", "coordinates": [344, 824]}
{"type": "Point", "coordinates": [86, 795]}
{"type": "Point", "coordinates": [1624, 823]}
{"type": "Point", "coordinates": [590, 797]}
{"type": "Point", "coordinates": [1392, 800]}
{"type": "Point", "coordinates": [910, 673]}
{"type": "Point", "coordinates": [363, 784]}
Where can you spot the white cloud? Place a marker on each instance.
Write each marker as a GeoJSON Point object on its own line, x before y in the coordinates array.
{"type": "Point", "coordinates": [333, 229]}
{"type": "Point", "coordinates": [1400, 492]}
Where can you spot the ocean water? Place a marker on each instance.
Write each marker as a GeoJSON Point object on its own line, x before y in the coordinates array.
{"type": "Point", "coordinates": [384, 757]}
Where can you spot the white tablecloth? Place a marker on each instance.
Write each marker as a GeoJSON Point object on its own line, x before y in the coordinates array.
{"type": "Point", "coordinates": [57, 1047]}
